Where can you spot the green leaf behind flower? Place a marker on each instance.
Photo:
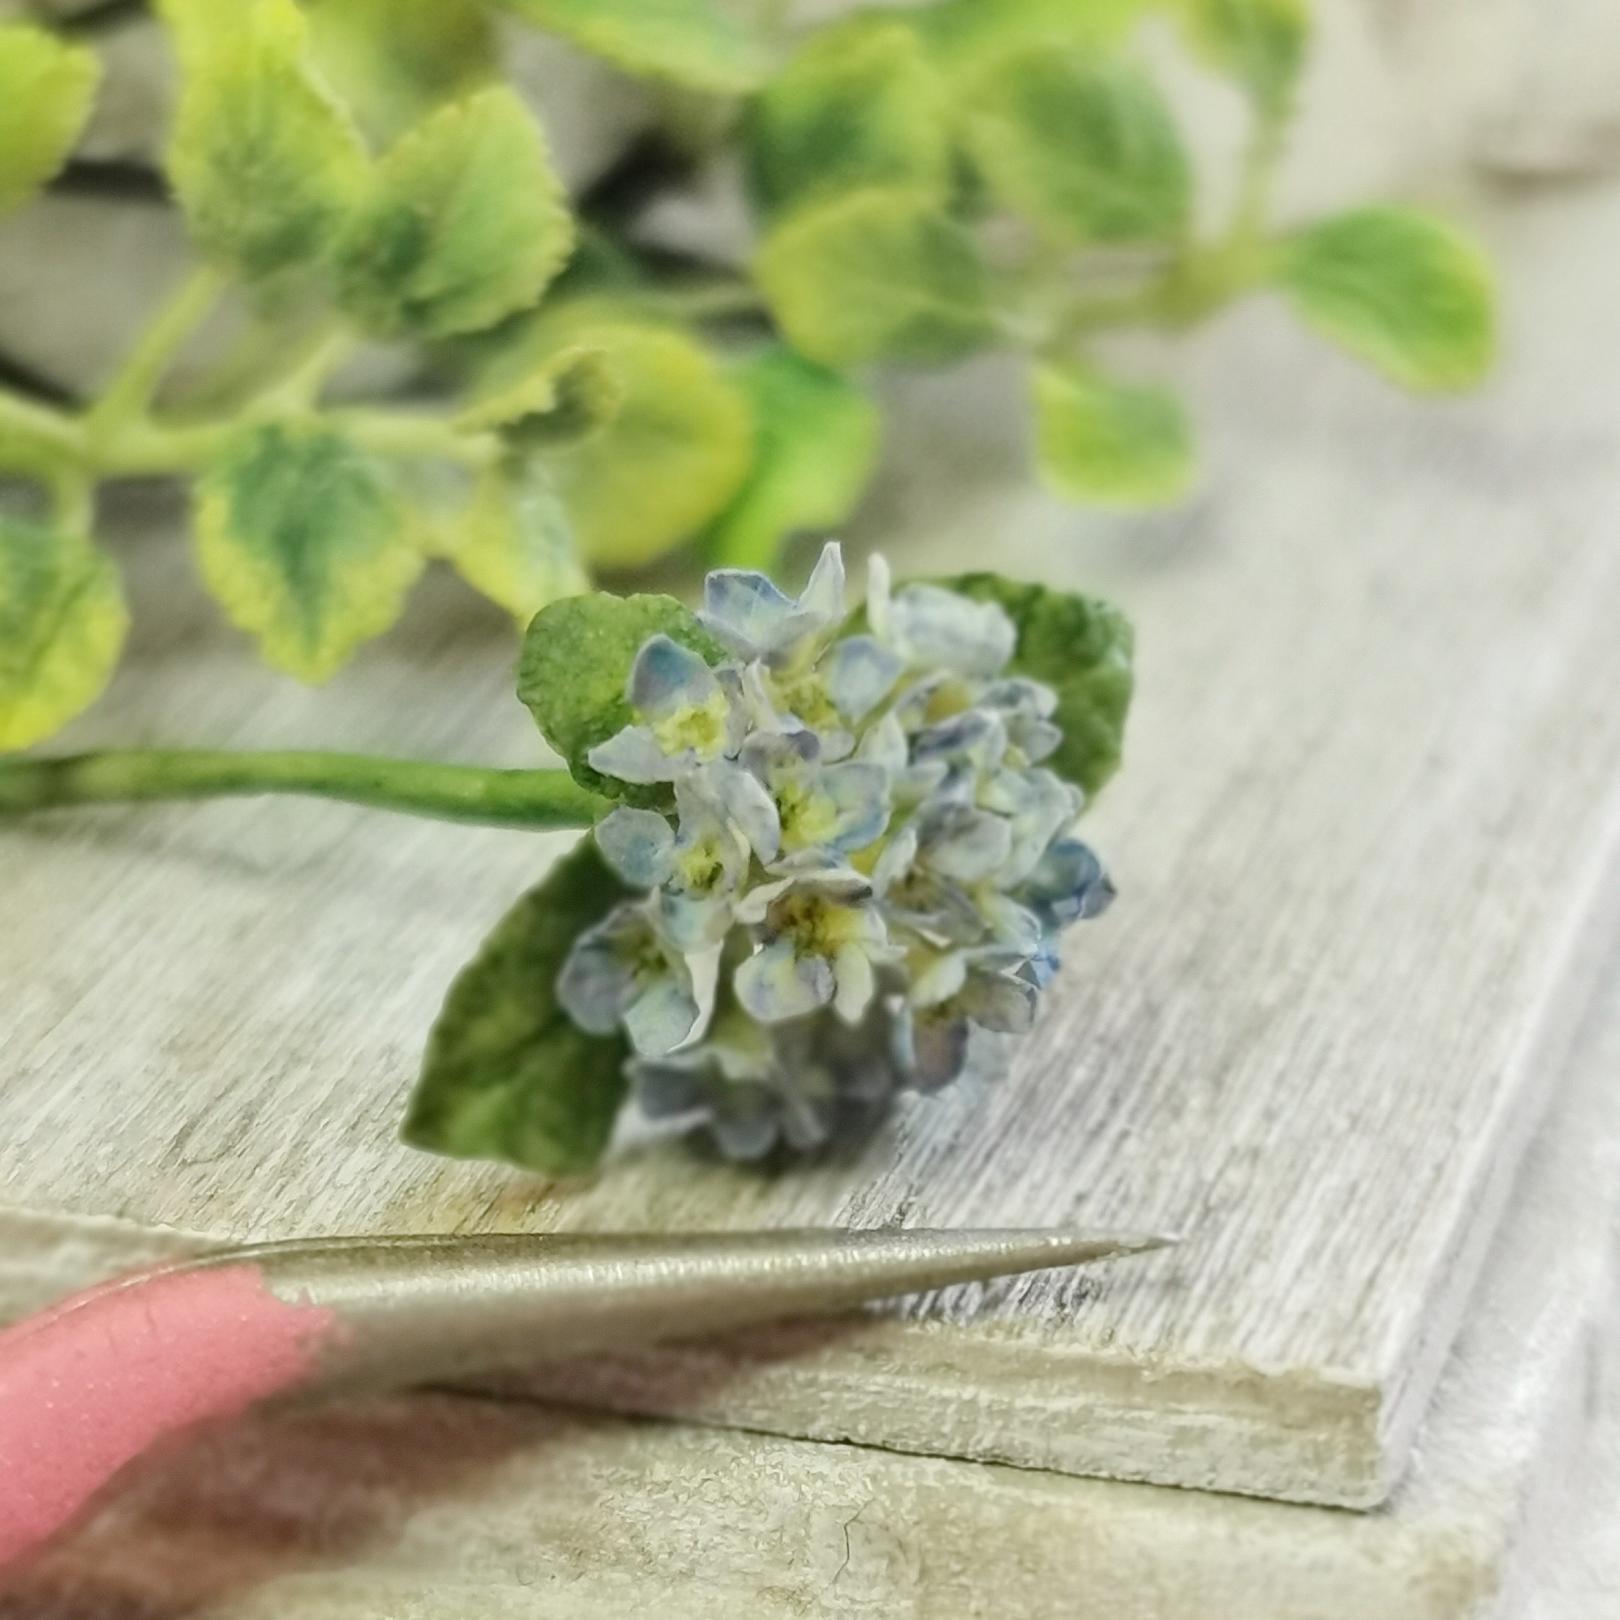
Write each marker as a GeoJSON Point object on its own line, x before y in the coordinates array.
{"type": "Point", "coordinates": [1084, 147]}
{"type": "Point", "coordinates": [695, 43]}
{"type": "Point", "coordinates": [464, 223]}
{"type": "Point", "coordinates": [1399, 289]}
{"type": "Point", "coordinates": [62, 624]}
{"type": "Point", "coordinates": [882, 273]}
{"type": "Point", "coordinates": [264, 160]}
{"type": "Point", "coordinates": [1120, 444]}
{"type": "Point", "coordinates": [859, 105]}
{"type": "Point", "coordinates": [305, 542]}
{"type": "Point", "coordinates": [815, 440]}
{"type": "Point", "coordinates": [508, 1075]}
{"type": "Point", "coordinates": [575, 666]}
{"type": "Point", "coordinates": [1082, 649]}
{"type": "Point", "coordinates": [46, 88]}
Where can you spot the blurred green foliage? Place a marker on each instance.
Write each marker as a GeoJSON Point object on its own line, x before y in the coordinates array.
{"type": "Point", "coordinates": [925, 182]}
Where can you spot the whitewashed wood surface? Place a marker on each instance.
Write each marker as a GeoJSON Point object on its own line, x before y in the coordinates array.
{"type": "Point", "coordinates": [434, 1507]}
{"type": "Point", "coordinates": [1372, 776]}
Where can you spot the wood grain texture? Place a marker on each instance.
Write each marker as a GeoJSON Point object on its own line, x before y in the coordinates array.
{"type": "Point", "coordinates": [1370, 793]}
{"type": "Point", "coordinates": [436, 1507]}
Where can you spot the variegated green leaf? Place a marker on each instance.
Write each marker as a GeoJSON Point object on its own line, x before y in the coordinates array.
{"type": "Point", "coordinates": [1084, 147]}
{"type": "Point", "coordinates": [514, 543]}
{"type": "Point", "coordinates": [264, 160]}
{"type": "Point", "coordinates": [1401, 290]}
{"type": "Point", "coordinates": [877, 274]}
{"type": "Point", "coordinates": [1113, 443]}
{"type": "Point", "coordinates": [46, 88]}
{"type": "Point", "coordinates": [463, 224]}
{"type": "Point", "coordinates": [62, 625]}
{"type": "Point", "coordinates": [395, 61]}
{"type": "Point", "coordinates": [303, 539]}
{"type": "Point", "coordinates": [700, 44]}
{"type": "Point", "coordinates": [859, 105]}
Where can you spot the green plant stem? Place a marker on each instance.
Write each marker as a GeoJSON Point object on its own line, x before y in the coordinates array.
{"type": "Point", "coordinates": [414, 433]}
{"type": "Point", "coordinates": [129, 392]}
{"type": "Point", "coordinates": [466, 793]}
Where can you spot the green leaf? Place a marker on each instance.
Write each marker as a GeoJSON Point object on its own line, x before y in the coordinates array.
{"type": "Point", "coordinates": [815, 440]}
{"type": "Point", "coordinates": [1084, 148]}
{"type": "Point", "coordinates": [859, 105]}
{"type": "Point", "coordinates": [878, 274]}
{"type": "Point", "coordinates": [568, 395]}
{"type": "Point", "coordinates": [962, 35]}
{"type": "Point", "coordinates": [62, 625]}
{"type": "Point", "coordinates": [1260, 43]}
{"type": "Point", "coordinates": [576, 663]}
{"type": "Point", "coordinates": [306, 544]}
{"type": "Point", "coordinates": [1082, 649]}
{"type": "Point", "coordinates": [694, 43]}
{"type": "Point", "coordinates": [264, 160]}
{"type": "Point", "coordinates": [671, 455]}
{"type": "Point", "coordinates": [507, 1074]}
{"type": "Point", "coordinates": [1399, 289]}
{"type": "Point", "coordinates": [394, 61]}
{"type": "Point", "coordinates": [514, 544]}
{"type": "Point", "coordinates": [46, 88]}
{"type": "Point", "coordinates": [1119, 444]}
{"type": "Point", "coordinates": [465, 223]}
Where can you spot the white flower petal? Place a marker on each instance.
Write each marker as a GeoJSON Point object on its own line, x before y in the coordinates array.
{"type": "Point", "coordinates": [860, 672]}
{"type": "Point", "coordinates": [633, 755]}
{"type": "Point", "coordinates": [933, 628]}
{"type": "Point", "coordinates": [660, 1016]}
{"type": "Point", "coordinates": [961, 842]}
{"type": "Point", "coordinates": [856, 983]}
{"type": "Point", "coordinates": [823, 594]}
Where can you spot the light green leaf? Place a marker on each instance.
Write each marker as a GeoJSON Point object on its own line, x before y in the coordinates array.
{"type": "Point", "coordinates": [1082, 648]}
{"type": "Point", "coordinates": [1260, 43]}
{"type": "Point", "coordinates": [1118, 444]}
{"type": "Point", "coordinates": [507, 1074]}
{"type": "Point", "coordinates": [46, 88]}
{"type": "Point", "coordinates": [859, 105]}
{"type": "Point", "coordinates": [1084, 148]}
{"type": "Point", "coordinates": [1399, 289]}
{"type": "Point", "coordinates": [62, 625]}
{"type": "Point", "coordinates": [264, 160]}
{"type": "Point", "coordinates": [695, 43]}
{"type": "Point", "coordinates": [671, 455]}
{"type": "Point", "coordinates": [464, 223]}
{"type": "Point", "coordinates": [963, 35]}
{"type": "Point", "coordinates": [878, 274]}
{"type": "Point", "coordinates": [304, 541]}
{"type": "Point", "coordinates": [394, 61]}
{"type": "Point", "coordinates": [514, 543]}
{"type": "Point", "coordinates": [575, 666]}
{"type": "Point", "coordinates": [815, 440]}
{"type": "Point", "coordinates": [566, 396]}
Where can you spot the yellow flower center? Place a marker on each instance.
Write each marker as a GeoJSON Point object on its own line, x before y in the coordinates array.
{"type": "Point", "coordinates": [700, 727]}
{"type": "Point", "coordinates": [808, 817]}
{"type": "Point", "coordinates": [817, 925]}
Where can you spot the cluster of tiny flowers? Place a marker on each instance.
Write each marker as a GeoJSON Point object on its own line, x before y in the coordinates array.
{"type": "Point", "coordinates": [867, 864]}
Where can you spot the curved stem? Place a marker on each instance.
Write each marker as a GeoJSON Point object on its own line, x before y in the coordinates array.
{"type": "Point", "coordinates": [131, 387]}
{"type": "Point", "coordinates": [467, 793]}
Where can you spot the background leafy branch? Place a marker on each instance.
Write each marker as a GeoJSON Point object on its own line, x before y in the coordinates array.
{"type": "Point", "coordinates": [923, 183]}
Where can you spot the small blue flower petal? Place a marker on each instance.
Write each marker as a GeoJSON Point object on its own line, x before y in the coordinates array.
{"type": "Point", "coordinates": [777, 983]}
{"type": "Point", "coordinates": [667, 677]}
{"type": "Point", "coordinates": [962, 842]}
{"type": "Point", "coordinates": [637, 844]}
{"type": "Point", "coordinates": [660, 1015]}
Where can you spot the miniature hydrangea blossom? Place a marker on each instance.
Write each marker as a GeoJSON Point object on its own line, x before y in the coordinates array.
{"type": "Point", "coordinates": [867, 860]}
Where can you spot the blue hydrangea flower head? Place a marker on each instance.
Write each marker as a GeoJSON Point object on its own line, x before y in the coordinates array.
{"type": "Point", "coordinates": [863, 869]}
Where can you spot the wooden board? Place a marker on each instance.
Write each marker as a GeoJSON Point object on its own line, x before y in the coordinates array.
{"type": "Point", "coordinates": [1370, 796]}
{"type": "Point", "coordinates": [439, 1506]}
